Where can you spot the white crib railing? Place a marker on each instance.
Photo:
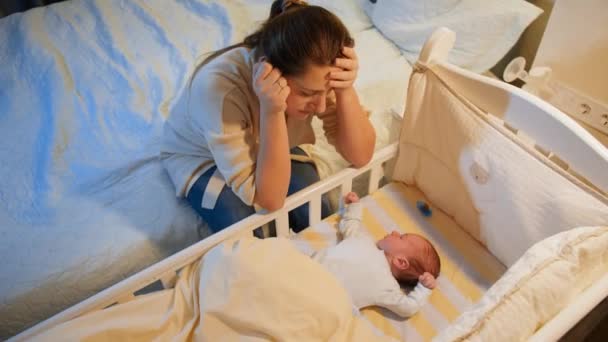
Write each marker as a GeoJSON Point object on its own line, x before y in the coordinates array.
{"type": "Point", "coordinates": [166, 270]}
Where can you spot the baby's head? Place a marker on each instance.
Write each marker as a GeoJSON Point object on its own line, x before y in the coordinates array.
{"type": "Point", "coordinates": [409, 256]}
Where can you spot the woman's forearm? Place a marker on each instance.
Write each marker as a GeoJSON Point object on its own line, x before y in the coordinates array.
{"type": "Point", "coordinates": [273, 169]}
{"type": "Point", "coordinates": [356, 136]}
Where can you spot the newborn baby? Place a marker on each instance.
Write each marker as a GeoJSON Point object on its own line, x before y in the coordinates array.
{"type": "Point", "coordinates": [371, 271]}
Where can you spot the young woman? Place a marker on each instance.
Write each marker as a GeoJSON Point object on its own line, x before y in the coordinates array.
{"type": "Point", "coordinates": [229, 139]}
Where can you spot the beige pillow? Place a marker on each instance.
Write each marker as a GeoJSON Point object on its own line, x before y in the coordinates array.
{"type": "Point", "coordinates": [540, 284]}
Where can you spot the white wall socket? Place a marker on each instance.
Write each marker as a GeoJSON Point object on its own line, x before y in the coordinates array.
{"type": "Point", "coordinates": [575, 104]}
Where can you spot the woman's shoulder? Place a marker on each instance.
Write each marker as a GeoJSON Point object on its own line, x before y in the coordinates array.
{"type": "Point", "coordinates": [234, 62]}
{"type": "Point", "coordinates": [231, 69]}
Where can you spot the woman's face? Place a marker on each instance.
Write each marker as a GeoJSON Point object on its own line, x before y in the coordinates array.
{"type": "Point", "coordinates": [309, 91]}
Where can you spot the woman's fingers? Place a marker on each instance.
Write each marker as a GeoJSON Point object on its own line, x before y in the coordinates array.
{"type": "Point", "coordinates": [273, 76]}
{"type": "Point", "coordinates": [343, 75]}
{"type": "Point", "coordinates": [271, 88]}
{"type": "Point", "coordinates": [349, 52]}
{"type": "Point", "coordinates": [347, 64]}
{"type": "Point", "coordinates": [262, 71]}
{"type": "Point", "coordinates": [266, 74]}
{"type": "Point", "coordinates": [282, 82]}
{"type": "Point", "coordinates": [279, 85]}
{"type": "Point", "coordinates": [284, 92]}
{"type": "Point", "coordinates": [346, 77]}
{"type": "Point", "coordinates": [340, 84]}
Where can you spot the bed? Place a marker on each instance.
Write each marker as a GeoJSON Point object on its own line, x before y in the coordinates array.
{"type": "Point", "coordinates": [552, 274]}
{"type": "Point", "coordinates": [85, 201]}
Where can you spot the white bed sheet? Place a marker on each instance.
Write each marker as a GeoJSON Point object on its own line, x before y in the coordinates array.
{"type": "Point", "coordinates": [85, 87]}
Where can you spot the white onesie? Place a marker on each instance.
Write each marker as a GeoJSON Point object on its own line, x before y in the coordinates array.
{"type": "Point", "coordinates": [363, 270]}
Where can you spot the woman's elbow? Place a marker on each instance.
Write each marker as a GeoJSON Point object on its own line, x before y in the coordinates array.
{"type": "Point", "coordinates": [362, 158]}
{"type": "Point", "coordinates": [364, 152]}
{"type": "Point", "coordinates": [361, 161]}
{"type": "Point", "coordinates": [270, 203]}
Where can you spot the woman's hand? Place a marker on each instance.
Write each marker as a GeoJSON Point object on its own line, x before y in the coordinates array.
{"type": "Point", "coordinates": [427, 280]}
{"type": "Point", "coordinates": [356, 137]}
{"type": "Point", "coordinates": [271, 88]}
{"type": "Point", "coordinates": [345, 78]}
{"type": "Point", "coordinates": [273, 165]}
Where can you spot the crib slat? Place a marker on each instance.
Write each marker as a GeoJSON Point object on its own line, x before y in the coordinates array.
{"type": "Point", "coordinates": [346, 187]}
{"type": "Point", "coordinates": [282, 222]}
{"type": "Point", "coordinates": [374, 178]}
{"type": "Point", "coordinates": [314, 210]}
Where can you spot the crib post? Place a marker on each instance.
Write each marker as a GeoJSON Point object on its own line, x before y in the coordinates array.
{"type": "Point", "coordinates": [374, 178]}
{"type": "Point", "coordinates": [282, 223]}
{"type": "Point", "coordinates": [314, 210]}
{"type": "Point", "coordinates": [346, 187]}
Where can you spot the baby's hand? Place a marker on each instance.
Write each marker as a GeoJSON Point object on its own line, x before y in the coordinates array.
{"type": "Point", "coordinates": [427, 280]}
{"type": "Point", "coordinates": [351, 197]}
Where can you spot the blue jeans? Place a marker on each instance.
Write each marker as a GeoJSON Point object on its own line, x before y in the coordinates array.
{"type": "Point", "coordinates": [229, 208]}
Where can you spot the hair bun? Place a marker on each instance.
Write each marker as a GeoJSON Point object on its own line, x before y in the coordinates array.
{"type": "Point", "coordinates": [288, 3]}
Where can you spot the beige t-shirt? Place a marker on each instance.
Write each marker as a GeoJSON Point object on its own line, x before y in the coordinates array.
{"type": "Point", "coordinates": [216, 122]}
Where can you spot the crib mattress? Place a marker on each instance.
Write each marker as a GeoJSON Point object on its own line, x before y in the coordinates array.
{"type": "Point", "coordinates": [468, 269]}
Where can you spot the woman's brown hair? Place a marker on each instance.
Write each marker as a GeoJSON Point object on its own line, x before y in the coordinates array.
{"type": "Point", "coordinates": [294, 36]}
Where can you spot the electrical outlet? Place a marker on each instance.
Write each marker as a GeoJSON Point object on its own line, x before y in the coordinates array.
{"type": "Point", "coordinates": [577, 105]}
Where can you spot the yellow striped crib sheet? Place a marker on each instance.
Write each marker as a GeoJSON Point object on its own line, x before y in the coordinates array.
{"type": "Point", "coordinates": [467, 268]}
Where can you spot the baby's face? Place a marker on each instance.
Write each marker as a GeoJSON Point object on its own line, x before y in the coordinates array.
{"type": "Point", "coordinates": [397, 243]}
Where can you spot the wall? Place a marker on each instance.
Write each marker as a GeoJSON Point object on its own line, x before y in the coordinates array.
{"type": "Point", "coordinates": [531, 38]}
{"type": "Point", "coordinates": [575, 46]}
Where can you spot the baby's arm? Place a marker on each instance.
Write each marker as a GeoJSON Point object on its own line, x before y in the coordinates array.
{"type": "Point", "coordinates": [351, 223]}
{"type": "Point", "coordinates": [405, 305]}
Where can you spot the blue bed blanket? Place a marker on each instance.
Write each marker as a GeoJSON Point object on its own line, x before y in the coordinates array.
{"type": "Point", "coordinates": [85, 87]}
